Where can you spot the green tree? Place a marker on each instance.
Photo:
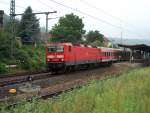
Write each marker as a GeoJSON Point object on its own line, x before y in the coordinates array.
{"type": "Point", "coordinates": [68, 29]}
{"type": "Point", "coordinates": [94, 38]}
{"type": "Point", "coordinates": [5, 42]}
{"type": "Point", "coordinates": [29, 26]}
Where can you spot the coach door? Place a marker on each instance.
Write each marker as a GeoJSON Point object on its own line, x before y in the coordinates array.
{"type": "Point", "coordinates": [70, 55]}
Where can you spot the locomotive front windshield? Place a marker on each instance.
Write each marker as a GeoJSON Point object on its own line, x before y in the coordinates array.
{"type": "Point", "coordinates": [55, 49]}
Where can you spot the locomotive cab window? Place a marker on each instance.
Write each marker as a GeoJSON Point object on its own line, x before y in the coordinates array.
{"type": "Point", "coordinates": [55, 49]}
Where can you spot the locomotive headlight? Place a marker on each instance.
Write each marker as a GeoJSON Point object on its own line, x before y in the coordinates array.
{"type": "Point", "coordinates": [60, 56]}
{"type": "Point", "coordinates": [50, 56]}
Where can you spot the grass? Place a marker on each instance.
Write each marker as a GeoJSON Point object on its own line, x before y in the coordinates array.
{"type": "Point", "coordinates": [129, 93]}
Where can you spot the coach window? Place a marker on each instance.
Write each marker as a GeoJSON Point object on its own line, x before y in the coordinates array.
{"type": "Point", "coordinates": [69, 49]}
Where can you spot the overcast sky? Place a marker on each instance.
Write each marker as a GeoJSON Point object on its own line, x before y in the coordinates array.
{"type": "Point", "coordinates": [110, 17]}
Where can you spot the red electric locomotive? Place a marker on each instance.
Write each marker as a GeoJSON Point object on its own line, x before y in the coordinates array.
{"type": "Point", "coordinates": [66, 55]}
{"type": "Point", "coordinates": [62, 56]}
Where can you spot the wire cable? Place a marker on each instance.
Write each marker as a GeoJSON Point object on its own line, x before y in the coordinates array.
{"type": "Point", "coordinates": [96, 18]}
{"type": "Point", "coordinates": [18, 6]}
{"type": "Point", "coordinates": [45, 4]}
{"type": "Point", "coordinates": [85, 14]}
{"type": "Point", "coordinates": [106, 13]}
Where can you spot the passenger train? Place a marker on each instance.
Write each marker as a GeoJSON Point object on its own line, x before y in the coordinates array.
{"type": "Point", "coordinates": [68, 56]}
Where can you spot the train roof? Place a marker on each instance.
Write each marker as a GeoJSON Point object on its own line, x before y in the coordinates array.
{"type": "Point", "coordinates": [71, 44]}
{"type": "Point", "coordinates": [54, 44]}
{"type": "Point", "coordinates": [83, 45]}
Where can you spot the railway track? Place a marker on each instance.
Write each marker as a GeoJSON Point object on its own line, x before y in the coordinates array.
{"type": "Point", "coordinates": [56, 84]}
{"type": "Point", "coordinates": [11, 79]}
{"type": "Point", "coordinates": [19, 78]}
{"type": "Point", "coordinates": [21, 74]}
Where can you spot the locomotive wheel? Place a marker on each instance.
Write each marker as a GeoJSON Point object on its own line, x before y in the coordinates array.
{"type": "Point", "coordinates": [63, 70]}
{"type": "Point", "coordinates": [74, 68]}
{"type": "Point", "coordinates": [54, 72]}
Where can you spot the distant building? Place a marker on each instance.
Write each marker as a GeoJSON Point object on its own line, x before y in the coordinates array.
{"type": "Point", "coordinates": [28, 41]}
{"type": "Point", "coordinates": [44, 37]}
{"type": "Point", "coordinates": [106, 41]}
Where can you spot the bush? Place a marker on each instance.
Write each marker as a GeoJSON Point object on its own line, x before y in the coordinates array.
{"type": "Point", "coordinates": [27, 57]}
{"type": "Point", "coordinates": [30, 57]}
{"type": "Point", "coordinates": [23, 59]}
{"type": "Point", "coordinates": [4, 45]}
{"type": "Point", "coordinates": [3, 69]}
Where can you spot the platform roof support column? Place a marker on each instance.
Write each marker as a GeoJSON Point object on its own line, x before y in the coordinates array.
{"type": "Point", "coordinates": [131, 55]}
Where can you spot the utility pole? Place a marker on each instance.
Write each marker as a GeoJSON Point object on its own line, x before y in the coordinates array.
{"type": "Point", "coordinates": [121, 38]}
{"type": "Point", "coordinates": [121, 34]}
{"type": "Point", "coordinates": [47, 13]}
{"type": "Point", "coordinates": [47, 27]}
{"type": "Point", "coordinates": [12, 26]}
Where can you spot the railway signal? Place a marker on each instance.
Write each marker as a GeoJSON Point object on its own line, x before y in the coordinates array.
{"type": "Point", "coordinates": [12, 25]}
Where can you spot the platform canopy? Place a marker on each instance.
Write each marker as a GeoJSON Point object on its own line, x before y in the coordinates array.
{"type": "Point", "coordinates": [140, 47]}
